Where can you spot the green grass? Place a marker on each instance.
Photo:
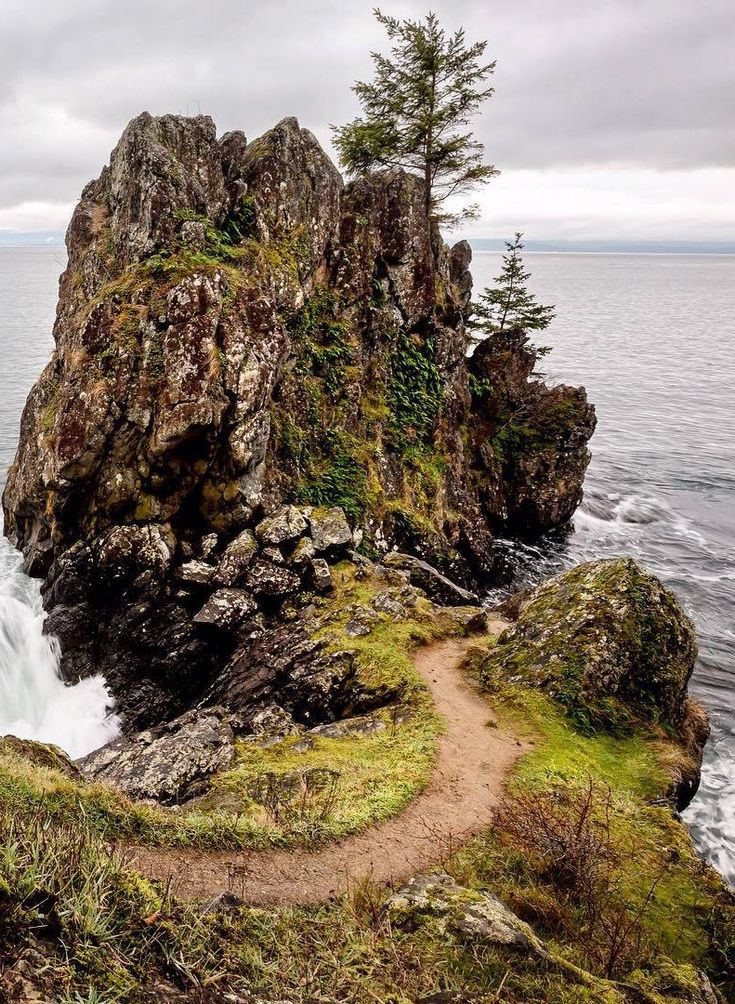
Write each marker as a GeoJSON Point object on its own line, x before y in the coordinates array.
{"type": "Point", "coordinates": [656, 850]}
{"type": "Point", "coordinates": [377, 773]}
{"type": "Point", "coordinates": [118, 931]}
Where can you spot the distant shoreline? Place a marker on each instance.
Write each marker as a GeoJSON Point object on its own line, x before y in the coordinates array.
{"type": "Point", "coordinates": [480, 245]}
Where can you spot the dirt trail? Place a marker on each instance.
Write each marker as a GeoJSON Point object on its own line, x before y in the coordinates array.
{"type": "Point", "coordinates": [467, 784]}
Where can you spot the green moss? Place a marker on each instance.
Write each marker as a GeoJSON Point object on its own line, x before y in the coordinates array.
{"type": "Point", "coordinates": [607, 640]}
{"type": "Point", "coordinates": [335, 474]}
{"type": "Point", "coordinates": [324, 342]}
{"type": "Point", "coordinates": [375, 774]}
{"type": "Point", "coordinates": [240, 225]}
{"type": "Point", "coordinates": [50, 409]}
{"type": "Point", "coordinates": [415, 388]}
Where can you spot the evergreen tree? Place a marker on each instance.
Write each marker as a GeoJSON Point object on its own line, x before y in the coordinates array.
{"type": "Point", "coordinates": [416, 110]}
{"type": "Point", "coordinates": [509, 304]}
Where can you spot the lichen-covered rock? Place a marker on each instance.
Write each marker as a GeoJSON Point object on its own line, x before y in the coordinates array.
{"type": "Point", "coordinates": [330, 530]}
{"type": "Point", "coordinates": [236, 559]}
{"type": "Point", "coordinates": [282, 528]}
{"type": "Point", "coordinates": [607, 639]}
{"type": "Point", "coordinates": [303, 554]}
{"type": "Point", "coordinates": [361, 621]}
{"type": "Point", "coordinates": [320, 576]}
{"type": "Point", "coordinates": [386, 603]}
{"type": "Point", "coordinates": [226, 609]}
{"type": "Point", "coordinates": [268, 580]}
{"type": "Point", "coordinates": [170, 763]}
{"type": "Point", "coordinates": [195, 573]}
{"type": "Point", "coordinates": [466, 913]}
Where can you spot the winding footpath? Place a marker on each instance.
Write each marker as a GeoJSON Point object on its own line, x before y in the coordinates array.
{"type": "Point", "coordinates": [465, 788]}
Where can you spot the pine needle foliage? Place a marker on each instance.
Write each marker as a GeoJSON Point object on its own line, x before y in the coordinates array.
{"type": "Point", "coordinates": [509, 304]}
{"type": "Point", "coordinates": [416, 111]}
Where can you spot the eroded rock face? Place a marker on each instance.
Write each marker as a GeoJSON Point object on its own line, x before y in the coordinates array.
{"type": "Point", "coordinates": [254, 362]}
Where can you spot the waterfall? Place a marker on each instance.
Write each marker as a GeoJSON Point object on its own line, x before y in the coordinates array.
{"type": "Point", "coordinates": [35, 703]}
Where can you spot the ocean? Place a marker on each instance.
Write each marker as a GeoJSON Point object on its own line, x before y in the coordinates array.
{"type": "Point", "coordinates": [649, 336]}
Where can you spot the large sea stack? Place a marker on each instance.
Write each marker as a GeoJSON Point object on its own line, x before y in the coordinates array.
{"type": "Point", "coordinates": [256, 368]}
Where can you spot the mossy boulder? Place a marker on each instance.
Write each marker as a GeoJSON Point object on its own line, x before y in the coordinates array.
{"type": "Point", "coordinates": [468, 914]}
{"type": "Point", "coordinates": [44, 755]}
{"type": "Point", "coordinates": [607, 640]}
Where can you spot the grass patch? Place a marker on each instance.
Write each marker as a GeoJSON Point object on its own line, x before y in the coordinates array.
{"type": "Point", "coordinates": [107, 932]}
{"type": "Point", "coordinates": [657, 874]}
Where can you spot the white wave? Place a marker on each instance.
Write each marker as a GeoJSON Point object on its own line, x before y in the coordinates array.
{"type": "Point", "coordinates": [641, 509]}
{"type": "Point", "coordinates": [35, 703]}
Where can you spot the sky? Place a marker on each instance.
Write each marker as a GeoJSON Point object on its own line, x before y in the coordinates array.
{"type": "Point", "coordinates": [611, 119]}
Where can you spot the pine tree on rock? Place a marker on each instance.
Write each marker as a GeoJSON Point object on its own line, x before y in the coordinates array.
{"type": "Point", "coordinates": [509, 304]}
{"type": "Point", "coordinates": [416, 112]}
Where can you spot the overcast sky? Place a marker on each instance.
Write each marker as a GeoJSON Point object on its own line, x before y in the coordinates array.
{"type": "Point", "coordinates": [611, 118]}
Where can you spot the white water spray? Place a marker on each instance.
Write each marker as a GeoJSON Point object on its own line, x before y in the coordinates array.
{"type": "Point", "coordinates": [35, 703]}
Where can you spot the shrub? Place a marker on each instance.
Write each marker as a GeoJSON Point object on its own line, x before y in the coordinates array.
{"type": "Point", "coordinates": [564, 836]}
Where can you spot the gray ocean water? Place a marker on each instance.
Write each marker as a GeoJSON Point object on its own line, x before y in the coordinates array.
{"type": "Point", "coordinates": [651, 337]}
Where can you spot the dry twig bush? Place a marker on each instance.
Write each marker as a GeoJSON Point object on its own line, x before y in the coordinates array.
{"type": "Point", "coordinates": [566, 840]}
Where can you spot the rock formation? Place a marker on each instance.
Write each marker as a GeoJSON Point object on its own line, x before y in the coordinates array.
{"type": "Point", "coordinates": [256, 365]}
{"type": "Point", "coordinates": [614, 647]}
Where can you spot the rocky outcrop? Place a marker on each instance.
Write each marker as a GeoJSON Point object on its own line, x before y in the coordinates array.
{"type": "Point", "coordinates": [44, 755]}
{"type": "Point", "coordinates": [171, 763]}
{"type": "Point", "coordinates": [253, 365]}
{"type": "Point", "coordinates": [612, 644]}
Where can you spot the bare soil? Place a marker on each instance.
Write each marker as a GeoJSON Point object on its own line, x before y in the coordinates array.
{"type": "Point", "coordinates": [467, 784]}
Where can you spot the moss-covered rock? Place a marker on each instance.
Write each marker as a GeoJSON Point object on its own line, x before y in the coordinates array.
{"type": "Point", "coordinates": [607, 640]}
{"type": "Point", "coordinates": [38, 754]}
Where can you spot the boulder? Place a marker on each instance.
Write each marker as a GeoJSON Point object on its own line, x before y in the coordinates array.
{"type": "Point", "coordinates": [436, 586]}
{"type": "Point", "coordinates": [607, 640]}
{"type": "Point", "coordinates": [360, 726]}
{"type": "Point", "coordinates": [321, 576]}
{"type": "Point", "coordinates": [361, 621]}
{"type": "Point", "coordinates": [468, 620]}
{"type": "Point", "coordinates": [226, 609]}
{"type": "Point", "coordinates": [303, 554]}
{"type": "Point", "coordinates": [270, 581]}
{"type": "Point", "coordinates": [125, 551]}
{"type": "Point", "coordinates": [194, 573]}
{"type": "Point", "coordinates": [468, 914]}
{"type": "Point", "coordinates": [282, 528]}
{"type": "Point", "coordinates": [329, 529]}
{"type": "Point", "coordinates": [387, 603]}
{"type": "Point", "coordinates": [237, 558]}
{"type": "Point", "coordinates": [170, 763]}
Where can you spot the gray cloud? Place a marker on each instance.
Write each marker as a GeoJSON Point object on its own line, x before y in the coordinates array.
{"type": "Point", "coordinates": [638, 84]}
